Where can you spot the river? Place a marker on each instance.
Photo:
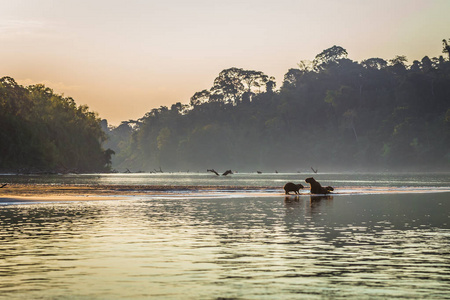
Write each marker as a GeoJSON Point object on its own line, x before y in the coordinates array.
{"type": "Point", "coordinates": [379, 236]}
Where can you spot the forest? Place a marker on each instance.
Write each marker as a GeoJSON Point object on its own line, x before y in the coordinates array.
{"type": "Point", "coordinates": [42, 132]}
{"type": "Point", "coordinates": [331, 113]}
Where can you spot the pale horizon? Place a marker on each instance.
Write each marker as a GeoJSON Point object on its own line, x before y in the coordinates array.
{"type": "Point", "coordinates": [123, 59]}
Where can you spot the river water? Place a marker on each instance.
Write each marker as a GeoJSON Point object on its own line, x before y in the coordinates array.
{"type": "Point", "coordinates": [380, 236]}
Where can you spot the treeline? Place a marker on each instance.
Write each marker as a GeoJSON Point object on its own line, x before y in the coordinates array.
{"type": "Point", "coordinates": [41, 131]}
{"type": "Point", "coordinates": [331, 113]}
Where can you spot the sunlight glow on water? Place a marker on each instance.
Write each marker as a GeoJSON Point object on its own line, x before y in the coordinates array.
{"type": "Point", "coordinates": [222, 245]}
{"type": "Point", "coordinates": [244, 247]}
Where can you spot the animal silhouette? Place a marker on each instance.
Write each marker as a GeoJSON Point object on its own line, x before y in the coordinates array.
{"type": "Point", "coordinates": [317, 188]}
{"type": "Point", "coordinates": [292, 187]}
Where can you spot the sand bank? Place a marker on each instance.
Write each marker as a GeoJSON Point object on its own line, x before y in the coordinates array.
{"type": "Point", "coordinates": [50, 192]}
{"type": "Point", "coordinates": [46, 193]}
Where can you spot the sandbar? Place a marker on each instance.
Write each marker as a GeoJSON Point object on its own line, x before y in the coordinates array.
{"type": "Point", "coordinates": [21, 193]}
{"type": "Point", "coordinates": [49, 192]}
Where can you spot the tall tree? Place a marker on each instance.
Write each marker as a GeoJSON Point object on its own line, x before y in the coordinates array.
{"type": "Point", "coordinates": [374, 63]}
{"type": "Point", "coordinates": [446, 47]}
{"type": "Point", "coordinates": [234, 84]}
{"type": "Point", "coordinates": [329, 56]}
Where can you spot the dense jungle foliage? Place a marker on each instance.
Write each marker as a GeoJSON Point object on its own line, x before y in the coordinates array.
{"type": "Point", "coordinates": [332, 113]}
{"type": "Point", "coordinates": [45, 132]}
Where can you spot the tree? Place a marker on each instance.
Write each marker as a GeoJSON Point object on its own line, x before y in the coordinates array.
{"type": "Point", "coordinates": [415, 67]}
{"type": "Point", "coordinates": [199, 98]}
{"type": "Point", "coordinates": [427, 65]}
{"type": "Point", "coordinates": [234, 83]}
{"type": "Point", "coordinates": [329, 56]}
{"type": "Point", "coordinates": [374, 63]}
{"type": "Point", "coordinates": [253, 80]}
{"type": "Point", "coordinates": [228, 86]}
{"type": "Point", "coordinates": [398, 64]}
{"type": "Point", "coordinates": [292, 77]}
{"type": "Point", "coordinates": [271, 85]}
{"type": "Point", "coordinates": [45, 131]}
{"type": "Point", "coordinates": [398, 60]}
{"type": "Point", "coordinates": [305, 65]}
{"type": "Point", "coordinates": [446, 47]}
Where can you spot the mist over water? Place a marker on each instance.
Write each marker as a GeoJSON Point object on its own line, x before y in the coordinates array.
{"type": "Point", "coordinates": [255, 246]}
{"type": "Point", "coordinates": [275, 180]}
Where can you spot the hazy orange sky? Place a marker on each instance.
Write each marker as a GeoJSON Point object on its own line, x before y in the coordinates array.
{"type": "Point", "coordinates": [123, 58]}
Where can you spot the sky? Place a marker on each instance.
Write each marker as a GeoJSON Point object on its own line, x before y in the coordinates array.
{"type": "Point", "coordinates": [124, 58]}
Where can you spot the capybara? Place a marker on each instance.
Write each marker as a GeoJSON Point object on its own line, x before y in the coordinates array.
{"type": "Point", "coordinates": [316, 188]}
{"type": "Point", "coordinates": [292, 187]}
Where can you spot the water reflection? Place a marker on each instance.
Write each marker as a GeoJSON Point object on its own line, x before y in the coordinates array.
{"type": "Point", "coordinates": [316, 201]}
{"type": "Point", "coordinates": [378, 246]}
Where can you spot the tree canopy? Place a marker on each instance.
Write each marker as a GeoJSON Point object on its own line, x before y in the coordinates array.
{"type": "Point", "coordinates": [337, 113]}
{"type": "Point", "coordinates": [45, 132]}
{"type": "Point", "coordinates": [332, 113]}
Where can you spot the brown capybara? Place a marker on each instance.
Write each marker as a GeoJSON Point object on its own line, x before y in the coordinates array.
{"type": "Point", "coordinates": [292, 187]}
{"type": "Point", "coordinates": [316, 188]}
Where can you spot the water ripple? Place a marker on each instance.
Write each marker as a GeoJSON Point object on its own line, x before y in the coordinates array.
{"type": "Point", "coordinates": [358, 246]}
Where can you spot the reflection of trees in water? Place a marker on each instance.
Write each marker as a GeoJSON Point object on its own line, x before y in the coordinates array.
{"type": "Point", "coordinates": [33, 233]}
{"type": "Point", "coordinates": [43, 221]}
{"type": "Point", "coordinates": [228, 220]}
